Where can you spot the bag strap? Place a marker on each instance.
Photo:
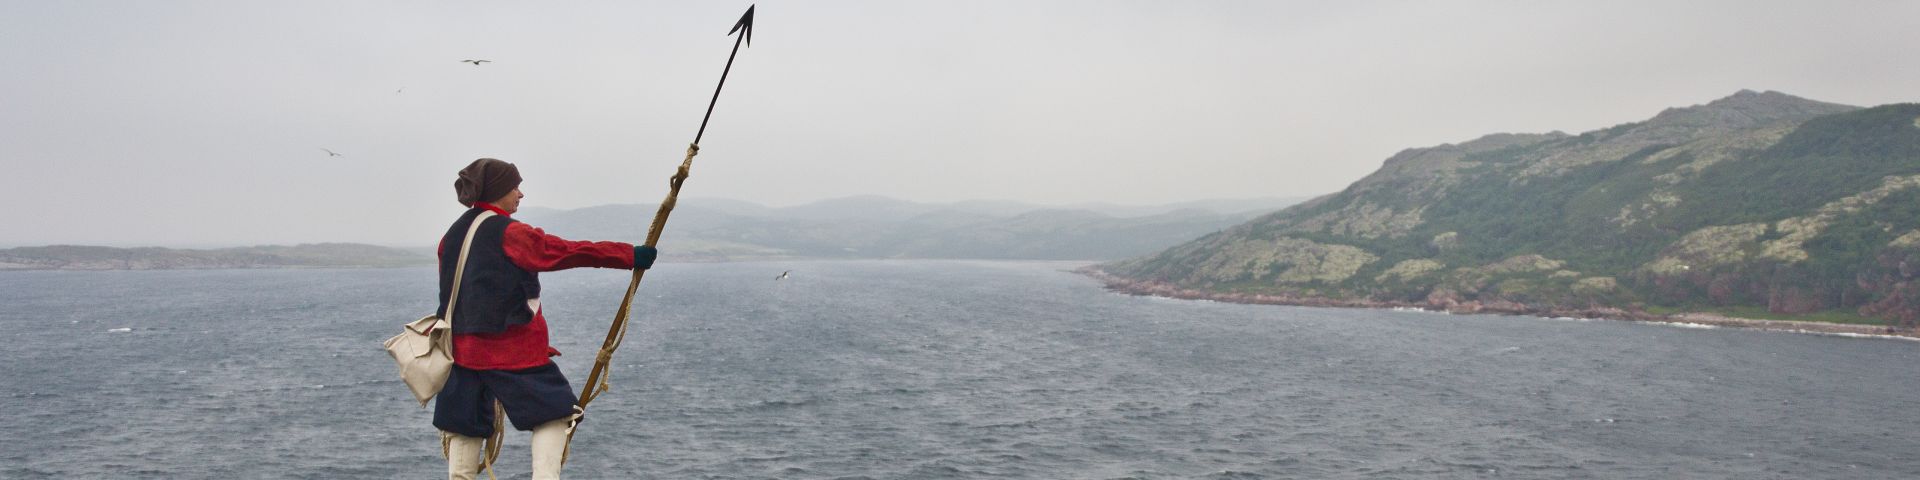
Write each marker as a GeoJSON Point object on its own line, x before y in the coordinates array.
{"type": "Point", "coordinates": [453, 298]}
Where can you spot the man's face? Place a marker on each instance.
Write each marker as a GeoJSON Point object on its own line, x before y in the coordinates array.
{"type": "Point", "coordinates": [510, 202]}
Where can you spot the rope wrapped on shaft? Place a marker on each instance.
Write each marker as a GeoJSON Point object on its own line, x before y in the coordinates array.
{"type": "Point", "coordinates": [597, 379]}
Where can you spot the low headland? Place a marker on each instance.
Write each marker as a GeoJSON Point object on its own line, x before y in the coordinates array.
{"type": "Point", "coordinates": [312, 255]}
{"type": "Point", "coordinates": [1149, 288]}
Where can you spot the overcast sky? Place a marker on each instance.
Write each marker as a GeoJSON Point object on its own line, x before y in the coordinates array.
{"type": "Point", "coordinates": [202, 123]}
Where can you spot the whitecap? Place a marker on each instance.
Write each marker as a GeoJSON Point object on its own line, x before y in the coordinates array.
{"type": "Point", "coordinates": [1859, 335]}
{"type": "Point", "coordinates": [1686, 325]}
{"type": "Point", "coordinates": [1570, 319]}
{"type": "Point", "coordinates": [119, 330]}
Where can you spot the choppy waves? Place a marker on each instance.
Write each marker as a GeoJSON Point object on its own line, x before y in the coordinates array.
{"type": "Point", "coordinates": [932, 370]}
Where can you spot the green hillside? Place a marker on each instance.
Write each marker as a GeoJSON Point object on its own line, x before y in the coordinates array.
{"type": "Point", "coordinates": [1754, 202]}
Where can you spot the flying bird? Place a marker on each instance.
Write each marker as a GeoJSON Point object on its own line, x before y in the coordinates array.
{"type": "Point", "coordinates": [783, 275]}
{"type": "Point", "coordinates": [477, 62]}
{"type": "Point", "coordinates": [330, 153]}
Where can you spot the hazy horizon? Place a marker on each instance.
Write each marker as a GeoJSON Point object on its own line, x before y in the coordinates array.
{"type": "Point", "coordinates": [204, 122]}
{"type": "Point", "coordinates": [1118, 210]}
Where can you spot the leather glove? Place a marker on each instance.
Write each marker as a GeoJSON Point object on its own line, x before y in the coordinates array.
{"type": "Point", "coordinates": [643, 257]}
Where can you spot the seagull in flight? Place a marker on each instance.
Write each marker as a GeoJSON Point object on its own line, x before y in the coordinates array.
{"type": "Point", "coordinates": [783, 275]}
{"type": "Point", "coordinates": [476, 62]}
{"type": "Point", "coordinates": [330, 153]}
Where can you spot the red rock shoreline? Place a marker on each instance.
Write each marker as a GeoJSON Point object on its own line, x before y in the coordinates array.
{"type": "Point", "coordinates": [1160, 289]}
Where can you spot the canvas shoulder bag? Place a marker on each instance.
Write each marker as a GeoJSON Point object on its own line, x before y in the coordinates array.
{"type": "Point", "coordinates": [424, 347]}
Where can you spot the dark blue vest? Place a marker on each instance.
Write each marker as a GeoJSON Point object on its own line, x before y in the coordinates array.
{"type": "Point", "coordinates": [493, 291]}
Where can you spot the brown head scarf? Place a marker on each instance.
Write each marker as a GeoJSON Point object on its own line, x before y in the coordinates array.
{"type": "Point", "coordinates": [486, 180]}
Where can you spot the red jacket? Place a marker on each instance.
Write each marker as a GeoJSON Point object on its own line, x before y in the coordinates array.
{"type": "Point", "coordinates": [525, 346]}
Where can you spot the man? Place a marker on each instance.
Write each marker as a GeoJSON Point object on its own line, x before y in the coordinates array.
{"type": "Point", "coordinates": [500, 348]}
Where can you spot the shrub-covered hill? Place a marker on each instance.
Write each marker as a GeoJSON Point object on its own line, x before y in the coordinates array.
{"type": "Point", "coordinates": [1754, 201]}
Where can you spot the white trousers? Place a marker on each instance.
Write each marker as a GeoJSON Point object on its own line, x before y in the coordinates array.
{"type": "Point", "coordinates": [464, 453]}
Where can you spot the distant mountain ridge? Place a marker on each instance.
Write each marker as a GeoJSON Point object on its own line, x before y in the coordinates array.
{"type": "Point", "coordinates": [1760, 201]}
{"type": "Point", "coordinates": [882, 227]}
{"type": "Point", "coordinates": [717, 229]}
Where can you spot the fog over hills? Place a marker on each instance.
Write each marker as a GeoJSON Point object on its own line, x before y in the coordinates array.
{"type": "Point", "coordinates": [883, 227]}
{"type": "Point", "coordinates": [708, 229]}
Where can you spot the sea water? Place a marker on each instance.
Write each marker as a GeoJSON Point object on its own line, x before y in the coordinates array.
{"type": "Point", "coordinates": [930, 369]}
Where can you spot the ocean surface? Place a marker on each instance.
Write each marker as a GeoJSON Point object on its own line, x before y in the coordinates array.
{"type": "Point", "coordinates": [932, 369]}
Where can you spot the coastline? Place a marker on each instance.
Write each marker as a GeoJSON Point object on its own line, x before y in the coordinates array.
{"type": "Point", "coordinates": [1129, 286]}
